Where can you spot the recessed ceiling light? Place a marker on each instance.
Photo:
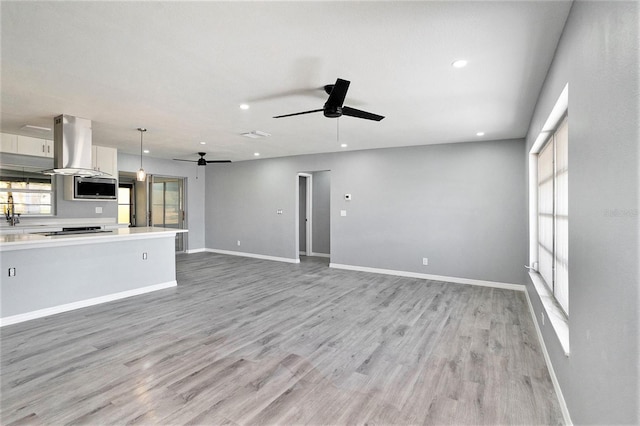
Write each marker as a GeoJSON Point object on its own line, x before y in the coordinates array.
{"type": "Point", "coordinates": [244, 106]}
{"type": "Point", "coordinates": [203, 143]}
{"type": "Point", "coordinates": [257, 154]}
{"type": "Point", "coordinates": [460, 63]}
{"type": "Point", "coordinates": [344, 145]}
{"type": "Point", "coordinates": [480, 134]}
{"type": "Point", "coordinates": [146, 151]}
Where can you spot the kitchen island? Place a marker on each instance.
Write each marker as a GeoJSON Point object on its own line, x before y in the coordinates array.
{"type": "Point", "coordinates": [44, 275]}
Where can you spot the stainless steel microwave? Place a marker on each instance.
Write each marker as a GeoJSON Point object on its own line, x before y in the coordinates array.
{"type": "Point", "coordinates": [93, 188]}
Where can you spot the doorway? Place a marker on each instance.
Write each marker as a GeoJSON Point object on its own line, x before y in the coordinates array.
{"type": "Point", "coordinates": [126, 206]}
{"type": "Point", "coordinates": [313, 223]}
{"type": "Point", "coordinates": [305, 210]}
{"type": "Point", "coordinates": [158, 201]}
{"type": "Point", "coordinates": [167, 205]}
{"type": "Point", "coordinates": [132, 200]}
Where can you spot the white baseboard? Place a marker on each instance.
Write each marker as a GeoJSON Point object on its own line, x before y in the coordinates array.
{"type": "Point", "coordinates": [14, 319]}
{"type": "Point", "coordinates": [547, 358]}
{"type": "Point", "coordinates": [327, 255]}
{"type": "Point", "coordinates": [254, 255]}
{"type": "Point", "coordinates": [314, 254]}
{"type": "Point", "coordinates": [495, 284]}
{"type": "Point", "coordinates": [200, 250]}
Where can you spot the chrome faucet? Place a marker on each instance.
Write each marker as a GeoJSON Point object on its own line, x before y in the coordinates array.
{"type": "Point", "coordinates": [10, 213]}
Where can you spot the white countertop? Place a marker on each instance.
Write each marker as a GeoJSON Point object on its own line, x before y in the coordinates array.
{"type": "Point", "coordinates": [33, 225]}
{"type": "Point", "coordinates": [27, 241]}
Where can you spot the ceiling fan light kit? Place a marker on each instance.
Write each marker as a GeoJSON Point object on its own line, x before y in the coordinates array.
{"type": "Point", "coordinates": [334, 107]}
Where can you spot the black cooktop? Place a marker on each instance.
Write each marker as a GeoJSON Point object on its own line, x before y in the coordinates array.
{"type": "Point", "coordinates": [76, 230]}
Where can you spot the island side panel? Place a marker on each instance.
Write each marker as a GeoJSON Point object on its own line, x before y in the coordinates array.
{"type": "Point", "coordinates": [53, 276]}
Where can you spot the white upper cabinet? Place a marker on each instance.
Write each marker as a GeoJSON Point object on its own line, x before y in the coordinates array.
{"type": "Point", "coordinates": [102, 158]}
{"type": "Point", "coordinates": [35, 146]}
{"type": "Point", "coordinates": [26, 145]}
{"type": "Point", "coordinates": [8, 143]}
{"type": "Point", "coordinates": [105, 160]}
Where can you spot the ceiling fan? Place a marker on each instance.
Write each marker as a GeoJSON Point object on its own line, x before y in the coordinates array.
{"type": "Point", "coordinates": [334, 106]}
{"type": "Point", "coordinates": [202, 161]}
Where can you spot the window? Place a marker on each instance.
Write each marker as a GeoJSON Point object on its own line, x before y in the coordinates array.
{"type": "Point", "coordinates": [549, 219]}
{"type": "Point", "coordinates": [27, 191]}
{"type": "Point", "coordinates": [553, 219]}
{"type": "Point", "coordinates": [125, 191]}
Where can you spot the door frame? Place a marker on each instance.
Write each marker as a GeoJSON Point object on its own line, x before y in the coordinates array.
{"type": "Point", "coordinates": [183, 236]}
{"type": "Point", "coordinates": [132, 196]}
{"type": "Point", "coordinates": [309, 208]}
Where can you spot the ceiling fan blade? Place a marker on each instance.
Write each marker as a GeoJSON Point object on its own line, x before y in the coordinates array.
{"type": "Point", "coordinates": [218, 161]}
{"type": "Point", "coordinates": [299, 113]}
{"type": "Point", "coordinates": [339, 92]}
{"type": "Point", "coordinates": [352, 112]}
{"type": "Point", "coordinates": [190, 161]}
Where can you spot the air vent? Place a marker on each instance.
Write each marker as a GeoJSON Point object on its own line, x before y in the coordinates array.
{"type": "Point", "coordinates": [256, 134]}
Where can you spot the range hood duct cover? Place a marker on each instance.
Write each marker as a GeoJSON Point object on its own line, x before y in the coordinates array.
{"type": "Point", "coordinates": [72, 147]}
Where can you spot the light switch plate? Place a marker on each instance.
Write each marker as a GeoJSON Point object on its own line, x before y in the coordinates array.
{"type": "Point", "coordinates": [343, 212]}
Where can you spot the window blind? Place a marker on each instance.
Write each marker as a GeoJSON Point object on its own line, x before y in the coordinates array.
{"type": "Point", "coordinates": [561, 280]}
{"type": "Point", "coordinates": [553, 214]}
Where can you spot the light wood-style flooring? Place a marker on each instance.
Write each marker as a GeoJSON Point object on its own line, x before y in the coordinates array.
{"type": "Point", "coordinates": [247, 341]}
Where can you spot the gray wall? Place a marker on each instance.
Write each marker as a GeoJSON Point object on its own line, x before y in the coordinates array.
{"type": "Point", "coordinates": [242, 200]}
{"type": "Point", "coordinates": [321, 214]}
{"type": "Point", "coordinates": [598, 57]}
{"type": "Point", "coordinates": [461, 205]}
{"type": "Point", "coordinates": [84, 208]}
{"type": "Point", "coordinates": [195, 189]}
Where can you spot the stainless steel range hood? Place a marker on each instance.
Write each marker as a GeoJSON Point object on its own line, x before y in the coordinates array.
{"type": "Point", "coordinates": [72, 147]}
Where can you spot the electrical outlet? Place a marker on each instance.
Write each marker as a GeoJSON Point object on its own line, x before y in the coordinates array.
{"type": "Point", "coordinates": [98, 210]}
{"type": "Point", "coordinates": [425, 261]}
{"type": "Point", "coordinates": [238, 243]}
{"type": "Point", "coordinates": [144, 256]}
{"type": "Point", "coordinates": [12, 272]}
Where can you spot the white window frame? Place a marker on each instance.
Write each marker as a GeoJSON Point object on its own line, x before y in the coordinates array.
{"type": "Point", "coordinates": [555, 274]}
{"type": "Point", "coordinates": [553, 312]}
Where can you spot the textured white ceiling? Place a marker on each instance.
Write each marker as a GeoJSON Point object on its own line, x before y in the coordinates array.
{"type": "Point", "coordinates": [181, 69]}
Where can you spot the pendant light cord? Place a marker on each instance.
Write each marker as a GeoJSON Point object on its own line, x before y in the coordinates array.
{"type": "Point", "coordinates": [141, 130]}
{"type": "Point", "coordinates": [141, 175]}
{"type": "Point", "coordinates": [140, 148]}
